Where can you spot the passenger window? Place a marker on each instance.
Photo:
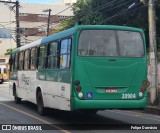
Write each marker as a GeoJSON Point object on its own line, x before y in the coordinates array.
{"type": "Point", "coordinates": [12, 61]}
{"type": "Point", "coordinates": [21, 57]}
{"type": "Point", "coordinates": [52, 57]}
{"type": "Point", "coordinates": [42, 57]}
{"type": "Point", "coordinates": [26, 60]}
{"type": "Point", "coordinates": [65, 54]}
{"type": "Point", "coordinates": [16, 61]}
{"type": "Point", "coordinates": [33, 58]}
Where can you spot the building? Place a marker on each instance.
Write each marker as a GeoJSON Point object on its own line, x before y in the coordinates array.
{"type": "Point", "coordinates": [33, 22]}
{"type": "Point", "coordinates": [64, 2]}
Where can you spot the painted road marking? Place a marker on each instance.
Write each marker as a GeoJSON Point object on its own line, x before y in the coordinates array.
{"type": "Point", "coordinates": [39, 119]}
{"type": "Point", "coordinates": [145, 114]}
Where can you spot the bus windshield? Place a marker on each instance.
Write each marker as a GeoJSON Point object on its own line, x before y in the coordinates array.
{"type": "Point", "coordinates": [114, 43]}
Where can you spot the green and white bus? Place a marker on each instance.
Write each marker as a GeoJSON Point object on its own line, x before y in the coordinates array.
{"type": "Point", "coordinates": [85, 68]}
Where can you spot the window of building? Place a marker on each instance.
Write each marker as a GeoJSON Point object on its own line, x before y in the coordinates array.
{"type": "Point", "coordinates": [5, 70]}
{"type": "Point", "coordinates": [67, 4]}
{"type": "Point", "coordinates": [2, 60]}
{"type": "Point", "coordinates": [23, 14]}
{"type": "Point", "coordinates": [43, 15]}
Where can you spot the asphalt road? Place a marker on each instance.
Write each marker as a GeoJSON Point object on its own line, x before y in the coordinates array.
{"type": "Point", "coordinates": [62, 121]}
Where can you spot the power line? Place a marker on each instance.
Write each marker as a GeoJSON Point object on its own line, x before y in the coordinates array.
{"type": "Point", "coordinates": [114, 7]}
{"type": "Point", "coordinates": [122, 13]}
{"type": "Point", "coordinates": [56, 14]}
{"type": "Point", "coordinates": [56, 22]}
{"type": "Point", "coordinates": [97, 8]}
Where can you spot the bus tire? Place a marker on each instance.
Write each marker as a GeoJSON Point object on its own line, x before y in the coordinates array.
{"type": "Point", "coordinates": [1, 81]}
{"type": "Point", "coordinates": [16, 98]}
{"type": "Point", "coordinates": [40, 104]}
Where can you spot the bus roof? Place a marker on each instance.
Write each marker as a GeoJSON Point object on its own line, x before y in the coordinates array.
{"type": "Point", "coordinates": [70, 32]}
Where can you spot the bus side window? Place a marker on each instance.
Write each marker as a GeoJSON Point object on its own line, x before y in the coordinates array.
{"type": "Point", "coordinates": [12, 63]}
{"type": "Point", "coordinates": [34, 55]}
{"type": "Point", "coordinates": [26, 59]}
{"type": "Point", "coordinates": [52, 57]}
{"type": "Point", "coordinates": [21, 57]}
{"type": "Point", "coordinates": [42, 57]}
{"type": "Point", "coordinates": [65, 54]}
{"type": "Point", "coordinates": [16, 61]}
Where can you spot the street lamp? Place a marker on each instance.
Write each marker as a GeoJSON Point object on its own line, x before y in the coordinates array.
{"type": "Point", "coordinates": [49, 16]}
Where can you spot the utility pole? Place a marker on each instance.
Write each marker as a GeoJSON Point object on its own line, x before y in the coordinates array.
{"type": "Point", "coordinates": [49, 17]}
{"type": "Point", "coordinates": [16, 4]}
{"type": "Point", "coordinates": [17, 25]}
{"type": "Point", "coordinates": [153, 53]}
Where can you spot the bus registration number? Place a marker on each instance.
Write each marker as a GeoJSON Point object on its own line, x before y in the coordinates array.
{"type": "Point", "coordinates": [128, 96]}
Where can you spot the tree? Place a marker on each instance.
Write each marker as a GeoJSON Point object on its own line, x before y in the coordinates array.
{"type": "Point", "coordinates": [113, 12]}
{"type": "Point", "coordinates": [8, 51]}
{"type": "Point", "coordinates": [65, 24]}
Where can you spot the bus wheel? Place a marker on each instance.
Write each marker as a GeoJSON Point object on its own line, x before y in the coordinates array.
{"type": "Point", "coordinates": [16, 98]}
{"type": "Point", "coordinates": [40, 104]}
{"type": "Point", "coordinates": [1, 81]}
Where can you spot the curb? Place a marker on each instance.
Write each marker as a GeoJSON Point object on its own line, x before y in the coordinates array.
{"type": "Point", "coordinates": [152, 110]}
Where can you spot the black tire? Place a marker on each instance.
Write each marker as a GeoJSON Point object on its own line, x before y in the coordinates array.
{"type": "Point", "coordinates": [16, 98]}
{"type": "Point", "coordinates": [1, 81]}
{"type": "Point", "coordinates": [40, 104]}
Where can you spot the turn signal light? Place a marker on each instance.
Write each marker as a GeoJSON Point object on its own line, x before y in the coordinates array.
{"type": "Point", "coordinates": [145, 82]}
{"type": "Point", "coordinates": [78, 89]}
{"type": "Point", "coordinates": [143, 89]}
{"type": "Point", "coordinates": [77, 82]}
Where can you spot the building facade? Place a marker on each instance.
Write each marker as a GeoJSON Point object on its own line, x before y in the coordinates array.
{"type": "Point", "coordinates": [33, 25]}
{"type": "Point", "coordinates": [33, 22]}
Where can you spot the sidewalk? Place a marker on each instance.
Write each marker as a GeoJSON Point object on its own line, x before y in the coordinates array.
{"type": "Point", "coordinates": [153, 110]}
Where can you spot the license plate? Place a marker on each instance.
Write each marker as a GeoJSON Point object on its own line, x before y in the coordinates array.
{"type": "Point", "coordinates": [111, 90]}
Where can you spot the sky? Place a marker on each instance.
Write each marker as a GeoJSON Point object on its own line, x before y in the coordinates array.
{"type": "Point", "coordinates": [39, 1]}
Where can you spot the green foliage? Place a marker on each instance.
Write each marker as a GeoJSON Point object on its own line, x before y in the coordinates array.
{"type": "Point", "coordinates": [109, 12]}
{"type": "Point", "coordinates": [65, 24]}
{"type": "Point", "coordinates": [8, 51]}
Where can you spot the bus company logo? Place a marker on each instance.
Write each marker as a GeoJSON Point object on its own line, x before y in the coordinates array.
{"type": "Point", "coordinates": [6, 127]}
